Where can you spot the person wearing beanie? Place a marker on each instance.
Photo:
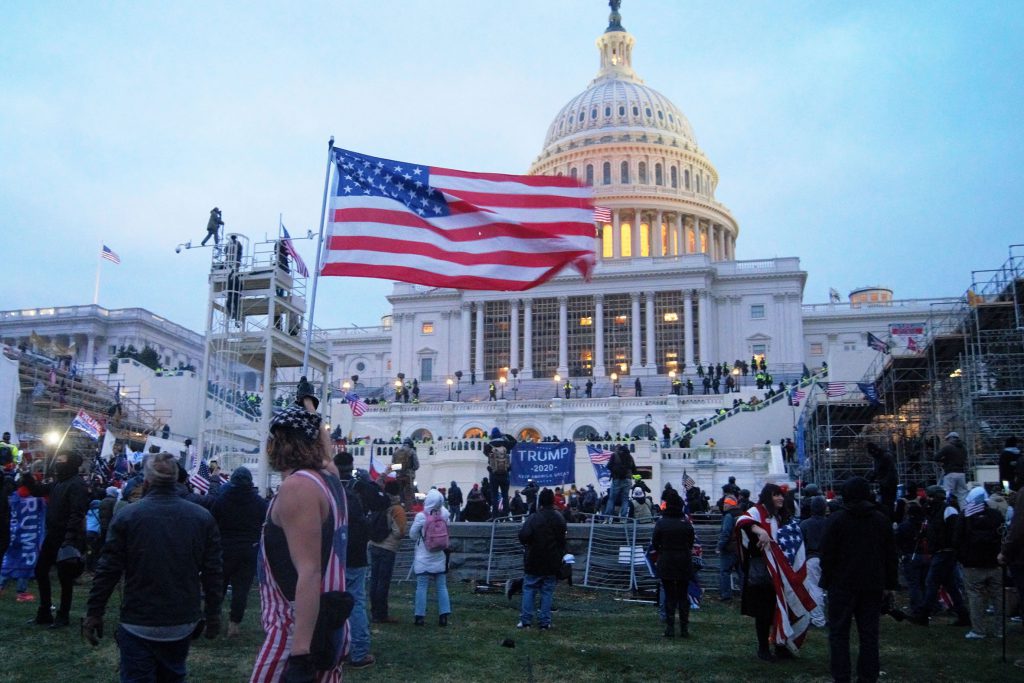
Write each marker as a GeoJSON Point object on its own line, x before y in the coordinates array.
{"type": "Point", "coordinates": [859, 571]}
{"type": "Point", "coordinates": [728, 559]}
{"type": "Point", "coordinates": [454, 500]}
{"type": "Point", "coordinates": [813, 529]}
{"type": "Point", "coordinates": [239, 511]}
{"type": "Point", "coordinates": [978, 541]}
{"type": "Point", "coordinates": [168, 551]}
{"type": "Point", "coordinates": [544, 535]}
{"type": "Point", "coordinates": [673, 541]}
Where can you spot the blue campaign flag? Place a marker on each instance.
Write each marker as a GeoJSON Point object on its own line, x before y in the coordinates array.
{"type": "Point", "coordinates": [801, 451]}
{"type": "Point", "coordinates": [600, 456]}
{"type": "Point", "coordinates": [870, 392]}
{"type": "Point", "coordinates": [548, 464]}
{"type": "Point", "coordinates": [27, 531]}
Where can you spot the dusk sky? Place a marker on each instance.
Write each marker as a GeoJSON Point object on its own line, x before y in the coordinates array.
{"type": "Point", "coordinates": [880, 142]}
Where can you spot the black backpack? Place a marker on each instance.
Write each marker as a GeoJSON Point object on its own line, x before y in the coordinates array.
{"type": "Point", "coordinates": [379, 525]}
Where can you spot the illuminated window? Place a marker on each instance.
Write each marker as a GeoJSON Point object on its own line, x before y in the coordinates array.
{"type": "Point", "coordinates": [620, 320]}
{"type": "Point", "coordinates": [645, 239]}
{"type": "Point", "coordinates": [691, 241]}
{"type": "Point", "coordinates": [671, 317]}
{"type": "Point", "coordinates": [759, 350]}
{"type": "Point", "coordinates": [586, 321]}
{"type": "Point", "coordinates": [626, 240]}
{"type": "Point", "coordinates": [607, 241]}
{"type": "Point", "coordinates": [756, 311]}
{"type": "Point", "coordinates": [427, 328]}
{"type": "Point", "coordinates": [817, 349]}
{"type": "Point", "coordinates": [665, 248]}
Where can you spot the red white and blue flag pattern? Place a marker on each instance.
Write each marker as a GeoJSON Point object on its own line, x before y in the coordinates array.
{"type": "Point", "coordinates": [445, 228]}
{"type": "Point", "coordinates": [600, 456]}
{"type": "Point", "coordinates": [300, 265]}
{"type": "Point", "coordinates": [84, 422]}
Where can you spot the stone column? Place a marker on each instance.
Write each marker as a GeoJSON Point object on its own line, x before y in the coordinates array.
{"type": "Point", "coordinates": [90, 349]}
{"type": "Point", "coordinates": [598, 335]}
{"type": "Point", "coordinates": [513, 344]}
{"type": "Point", "coordinates": [478, 364]}
{"type": "Point", "coordinates": [635, 233]}
{"type": "Point", "coordinates": [680, 234]}
{"type": "Point", "coordinates": [656, 243]}
{"type": "Point", "coordinates": [616, 236]}
{"type": "Point", "coordinates": [466, 315]}
{"type": "Point", "coordinates": [688, 329]}
{"type": "Point", "coordinates": [527, 372]}
{"type": "Point", "coordinates": [634, 322]}
{"type": "Point", "coordinates": [703, 328]}
{"type": "Point", "coordinates": [652, 358]}
{"type": "Point", "coordinates": [563, 336]}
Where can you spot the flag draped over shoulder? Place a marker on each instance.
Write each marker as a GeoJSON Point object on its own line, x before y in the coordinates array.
{"type": "Point", "coordinates": [445, 228]}
{"type": "Point", "coordinates": [785, 558]}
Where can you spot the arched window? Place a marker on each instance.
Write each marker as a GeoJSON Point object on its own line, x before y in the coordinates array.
{"type": "Point", "coordinates": [585, 433]}
{"type": "Point", "coordinates": [636, 111]}
{"type": "Point", "coordinates": [648, 112]}
{"type": "Point", "coordinates": [642, 172]}
{"type": "Point", "coordinates": [624, 172]}
{"type": "Point", "coordinates": [573, 173]}
{"type": "Point", "coordinates": [659, 178]}
{"type": "Point", "coordinates": [686, 178]}
{"type": "Point", "coordinates": [698, 182]}
{"type": "Point", "coordinates": [590, 175]}
{"type": "Point", "coordinates": [593, 113]}
{"type": "Point", "coordinates": [606, 173]}
{"type": "Point", "coordinates": [675, 177]}
{"type": "Point", "coordinates": [581, 116]}
{"type": "Point", "coordinates": [607, 111]}
{"type": "Point", "coordinates": [622, 110]}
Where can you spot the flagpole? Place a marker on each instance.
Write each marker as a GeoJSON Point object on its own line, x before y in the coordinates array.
{"type": "Point", "coordinates": [96, 291]}
{"type": "Point", "coordinates": [316, 273]}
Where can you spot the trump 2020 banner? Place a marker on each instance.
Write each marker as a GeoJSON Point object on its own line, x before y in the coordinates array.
{"type": "Point", "coordinates": [548, 464]}
{"type": "Point", "coordinates": [27, 531]}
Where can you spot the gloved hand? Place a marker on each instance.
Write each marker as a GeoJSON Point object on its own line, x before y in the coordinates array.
{"type": "Point", "coordinates": [212, 626]}
{"type": "Point", "coordinates": [299, 670]}
{"type": "Point", "coordinates": [92, 630]}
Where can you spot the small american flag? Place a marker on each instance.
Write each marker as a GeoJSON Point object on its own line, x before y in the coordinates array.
{"type": "Point", "coordinates": [300, 265]}
{"type": "Point", "coordinates": [602, 214]}
{"type": "Point", "coordinates": [833, 389]}
{"type": "Point", "coordinates": [357, 404]}
{"type": "Point", "coordinates": [688, 482]}
{"type": "Point", "coordinates": [200, 478]}
{"type": "Point", "coordinates": [796, 395]}
{"type": "Point", "coordinates": [110, 255]}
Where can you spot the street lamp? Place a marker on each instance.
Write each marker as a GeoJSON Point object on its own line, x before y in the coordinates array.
{"type": "Point", "coordinates": [449, 382]}
{"type": "Point", "coordinates": [558, 379]}
{"type": "Point", "coordinates": [458, 385]}
{"type": "Point", "coordinates": [398, 390]}
{"type": "Point", "coordinates": [671, 381]}
{"type": "Point", "coordinates": [648, 419]}
{"type": "Point", "coordinates": [501, 381]}
{"type": "Point", "coordinates": [615, 384]}
{"type": "Point", "coordinates": [515, 383]}
{"type": "Point", "coordinates": [736, 379]}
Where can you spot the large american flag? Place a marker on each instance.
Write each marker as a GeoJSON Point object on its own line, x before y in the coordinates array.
{"type": "Point", "coordinates": [785, 557]}
{"type": "Point", "coordinates": [200, 479]}
{"type": "Point", "coordinates": [300, 265]}
{"type": "Point", "coordinates": [445, 228]}
{"type": "Point", "coordinates": [356, 404]}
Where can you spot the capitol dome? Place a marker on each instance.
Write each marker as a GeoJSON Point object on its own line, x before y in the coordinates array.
{"type": "Point", "coordinates": [639, 152]}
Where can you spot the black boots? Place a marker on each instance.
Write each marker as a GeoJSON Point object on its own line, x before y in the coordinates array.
{"type": "Point", "coordinates": [418, 621]}
{"type": "Point", "coordinates": [670, 628]}
{"type": "Point", "coordinates": [684, 630]}
{"type": "Point", "coordinates": [59, 621]}
{"type": "Point", "coordinates": [43, 616]}
{"type": "Point", "coordinates": [442, 620]}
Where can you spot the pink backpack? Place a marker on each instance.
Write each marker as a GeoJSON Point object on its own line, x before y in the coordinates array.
{"type": "Point", "coordinates": [435, 532]}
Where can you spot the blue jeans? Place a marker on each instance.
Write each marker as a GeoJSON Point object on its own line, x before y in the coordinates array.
{"type": "Point", "coordinates": [358, 622]}
{"type": "Point", "coordinates": [382, 566]}
{"type": "Point", "coordinates": [727, 564]}
{"type": "Point", "coordinates": [531, 585]}
{"type": "Point", "coordinates": [444, 603]}
{"type": "Point", "coordinates": [915, 570]}
{"type": "Point", "coordinates": [619, 495]}
{"type": "Point", "coordinates": [150, 661]}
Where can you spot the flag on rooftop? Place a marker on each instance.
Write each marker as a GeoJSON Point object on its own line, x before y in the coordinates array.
{"type": "Point", "coordinates": [300, 265]}
{"type": "Point", "coordinates": [356, 404]}
{"type": "Point", "coordinates": [602, 214]}
{"type": "Point", "coordinates": [877, 344]}
{"type": "Point", "coordinates": [445, 228]}
{"type": "Point", "coordinates": [88, 424]}
{"type": "Point", "coordinates": [110, 255]}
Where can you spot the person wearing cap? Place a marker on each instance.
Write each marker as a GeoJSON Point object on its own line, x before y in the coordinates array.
{"type": "Point", "coordinates": [729, 561]}
{"type": "Point", "coordinates": [953, 459]}
{"type": "Point", "coordinates": [544, 535]}
{"type": "Point", "coordinates": [168, 552]}
{"type": "Point", "coordinates": [302, 550]}
{"type": "Point", "coordinates": [239, 511]}
{"type": "Point", "coordinates": [643, 510]}
{"type": "Point", "coordinates": [673, 541]}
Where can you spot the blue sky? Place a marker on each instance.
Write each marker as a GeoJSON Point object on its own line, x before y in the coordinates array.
{"type": "Point", "coordinates": [878, 141]}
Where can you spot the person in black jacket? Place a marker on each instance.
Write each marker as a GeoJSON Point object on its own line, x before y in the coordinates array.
{"type": "Point", "coordinates": [673, 541]}
{"type": "Point", "coordinates": [544, 535]}
{"type": "Point", "coordinates": [621, 467]}
{"type": "Point", "coordinates": [239, 511]}
{"type": "Point", "coordinates": [454, 501]}
{"type": "Point", "coordinates": [65, 532]}
{"type": "Point", "coordinates": [169, 552]}
{"type": "Point", "coordinates": [884, 474]}
{"type": "Point", "coordinates": [978, 540]}
{"type": "Point", "coordinates": [859, 571]}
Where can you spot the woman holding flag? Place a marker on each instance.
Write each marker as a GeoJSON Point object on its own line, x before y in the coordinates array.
{"type": "Point", "coordinates": [772, 556]}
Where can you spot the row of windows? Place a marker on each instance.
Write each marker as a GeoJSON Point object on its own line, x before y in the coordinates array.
{"type": "Point", "coordinates": [642, 177]}
{"type": "Point", "coordinates": [635, 110]}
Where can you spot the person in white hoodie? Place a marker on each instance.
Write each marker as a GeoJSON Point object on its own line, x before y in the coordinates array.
{"type": "Point", "coordinates": [430, 563]}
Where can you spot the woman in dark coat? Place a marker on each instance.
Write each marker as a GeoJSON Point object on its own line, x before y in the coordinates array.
{"type": "Point", "coordinates": [673, 541]}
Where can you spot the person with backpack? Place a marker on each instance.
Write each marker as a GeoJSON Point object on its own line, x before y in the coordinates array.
{"type": "Point", "coordinates": [621, 467]}
{"type": "Point", "coordinates": [588, 501]}
{"type": "Point", "coordinates": [430, 532]}
{"type": "Point", "coordinates": [544, 536]}
{"type": "Point", "coordinates": [383, 553]}
{"type": "Point", "coordinates": [499, 466]}
{"type": "Point", "coordinates": [978, 539]}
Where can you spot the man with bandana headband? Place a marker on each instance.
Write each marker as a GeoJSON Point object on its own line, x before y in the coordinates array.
{"type": "Point", "coordinates": [65, 534]}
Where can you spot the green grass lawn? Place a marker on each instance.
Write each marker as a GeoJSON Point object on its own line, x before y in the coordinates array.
{"type": "Point", "coordinates": [594, 634]}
